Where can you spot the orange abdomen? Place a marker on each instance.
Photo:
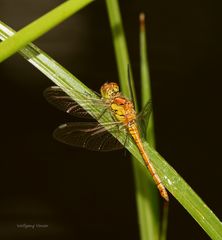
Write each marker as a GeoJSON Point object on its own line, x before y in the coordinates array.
{"type": "Point", "coordinates": [133, 130]}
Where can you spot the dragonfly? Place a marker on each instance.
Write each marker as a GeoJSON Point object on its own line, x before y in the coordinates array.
{"type": "Point", "coordinates": [94, 136]}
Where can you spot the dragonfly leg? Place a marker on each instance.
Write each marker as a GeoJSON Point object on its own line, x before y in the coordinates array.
{"type": "Point", "coordinates": [102, 113]}
{"type": "Point", "coordinates": [125, 141]}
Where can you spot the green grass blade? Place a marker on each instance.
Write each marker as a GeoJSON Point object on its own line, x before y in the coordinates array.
{"type": "Point", "coordinates": [145, 191]}
{"type": "Point", "coordinates": [145, 77]}
{"type": "Point", "coordinates": [144, 64]}
{"type": "Point", "coordinates": [119, 41]}
{"type": "Point", "coordinates": [40, 26]}
{"type": "Point", "coordinates": [164, 222]}
{"type": "Point", "coordinates": [171, 179]}
{"type": "Point", "coordinates": [146, 96]}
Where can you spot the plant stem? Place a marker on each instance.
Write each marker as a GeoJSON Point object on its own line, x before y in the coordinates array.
{"type": "Point", "coordinates": [120, 46]}
{"type": "Point", "coordinates": [145, 97]}
{"type": "Point", "coordinates": [145, 77]}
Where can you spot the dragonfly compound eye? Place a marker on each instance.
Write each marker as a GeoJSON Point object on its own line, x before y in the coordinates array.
{"type": "Point", "coordinates": [108, 90]}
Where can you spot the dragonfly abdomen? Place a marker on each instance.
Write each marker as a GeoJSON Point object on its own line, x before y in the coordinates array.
{"type": "Point", "coordinates": [134, 132]}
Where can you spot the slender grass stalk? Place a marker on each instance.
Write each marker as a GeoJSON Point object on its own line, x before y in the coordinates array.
{"type": "Point", "coordinates": [119, 42]}
{"type": "Point", "coordinates": [145, 77]}
{"type": "Point", "coordinates": [146, 95]}
{"type": "Point", "coordinates": [79, 92]}
{"type": "Point", "coordinates": [164, 223]}
{"type": "Point", "coordinates": [40, 26]}
{"type": "Point", "coordinates": [145, 192]}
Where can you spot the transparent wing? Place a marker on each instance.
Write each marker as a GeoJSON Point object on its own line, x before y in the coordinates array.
{"type": "Point", "coordinates": [91, 136]}
{"type": "Point", "coordinates": [58, 98]}
{"type": "Point", "coordinates": [144, 116]}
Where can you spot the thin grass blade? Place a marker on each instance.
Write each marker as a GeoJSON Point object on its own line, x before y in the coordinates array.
{"type": "Point", "coordinates": [40, 26]}
{"type": "Point", "coordinates": [145, 77]}
{"type": "Point", "coordinates": [145, 97]}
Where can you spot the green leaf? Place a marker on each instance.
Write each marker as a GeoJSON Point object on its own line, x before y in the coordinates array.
{"type": "Point", "coordinates": [40, 26]}
{"type": "Point", "coordinates": [171, 179]}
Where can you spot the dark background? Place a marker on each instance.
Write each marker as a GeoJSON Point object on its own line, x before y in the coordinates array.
{"type": "Point", "coordinates": [81, 194]}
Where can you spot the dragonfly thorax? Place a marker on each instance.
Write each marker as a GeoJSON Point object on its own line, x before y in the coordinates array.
{"type": "Point", "coordinates": [123, 110]}
{"type": "Point", "coordinates": [109, 90]}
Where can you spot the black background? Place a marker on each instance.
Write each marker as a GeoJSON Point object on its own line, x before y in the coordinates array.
{"type": "Point", "coordinates": [81, 194]}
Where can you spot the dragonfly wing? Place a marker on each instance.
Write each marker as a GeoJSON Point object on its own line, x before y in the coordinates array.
{"type": "Point", "coordinates": [144, 116]}
{"type": "Point", "coordinates": [92, 136]}
{"type": "Point", "coordinates": [58, 98]}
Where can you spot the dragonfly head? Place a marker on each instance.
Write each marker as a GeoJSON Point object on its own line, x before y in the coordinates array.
{"type": "Point", "coordinates": [109, 90]}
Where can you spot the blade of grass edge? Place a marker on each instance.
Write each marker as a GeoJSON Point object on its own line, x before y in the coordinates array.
{"type": "Point", "coordinates": [145, 192]}
{"type": "Point", "coordinates": [171, 179]}
{"type": "Point", "coordinates": [40, 26]}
